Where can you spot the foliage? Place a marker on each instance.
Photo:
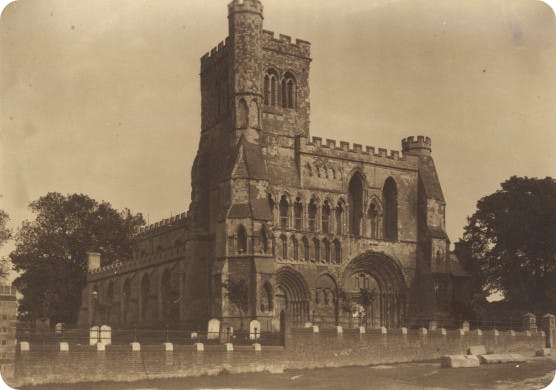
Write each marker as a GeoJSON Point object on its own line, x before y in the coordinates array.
{"type": "Point", "coordinates": [238, 295]}
{"type": "Point", "coordinates": [5, 235]}
{"type": "Point", "coordinates": [51, 251]}
{"type": "Point", "coordinates": [511, 243]}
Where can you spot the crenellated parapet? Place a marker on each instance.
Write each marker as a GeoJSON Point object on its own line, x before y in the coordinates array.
{"type": "Point", "coordinates": [164, 225]}
{"type": "Point", "coordinates": [283, 44]}
{"type": "Point", "coordinates": [369, 154]}
{"type": "Point", "coordinates": [420, 146]}
{"type": "Point", "coordinates": [215, 55]}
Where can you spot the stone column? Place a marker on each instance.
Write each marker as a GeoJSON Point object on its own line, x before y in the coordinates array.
{"type": "Point", "coordinates": [549, 325]}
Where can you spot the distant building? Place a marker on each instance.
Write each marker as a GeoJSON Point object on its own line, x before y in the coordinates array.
{"type": "Point", "coordinates": [308, 224]}
{"type": "Point", "coordinates": [8, 318]}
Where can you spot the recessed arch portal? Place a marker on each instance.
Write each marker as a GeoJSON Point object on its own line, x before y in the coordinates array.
{"type": "Point", "coordinates": [376, 282]}
{"type": "Point", "coordinates": [292, 295]}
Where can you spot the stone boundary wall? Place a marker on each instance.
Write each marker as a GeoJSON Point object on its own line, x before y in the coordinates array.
{"type": "Point", "coordinates": [304, 349]}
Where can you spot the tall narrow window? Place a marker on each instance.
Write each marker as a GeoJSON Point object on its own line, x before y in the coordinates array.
{"type": "Point", "coordinates": [312, 214]}
{"type": "Point", "coordinates": [316, 254]}
{"type": "Point", "coordinates": [284, 246]}
{"type": "Point", "coordinates": [298, 214]}
{"type": "Point", "coordinates": [356, 203]}
{"type": "Point", "coordinates": [264, 240]}
{"type": "Point", "coordinates": [339, 217]}
{"type": "Point", "coordinates": [337, 252]}
{"type": "Point", "coordinates": [373, 219]}
{"type": "Point", "coordinates": [266, 90]}
{"type": "Point", "coordinates": [288, 91]}
{"type": "Point", "coordinates": [326, 253]}
{"type": "Point", "coordinates": [273, 90]}
{"type": "Point", "coordinates": [284, 94]}
{"type": "Point", "coordinates": [325, 217]}
{"type": "Point", "coordinates": [284, 211]}
{"type": "Point", "coordinates": [271, 206]}
{"type": "Point", "coordinates": [390, 204]}
{"type": "Point", "coordinates": [295, 247]}
{"type": "Point", "coordinates": [241, 239]}
{"type": "Point", "coordinates": [242, 115]}
{"type": "Point", "coordinates": [305, 248]}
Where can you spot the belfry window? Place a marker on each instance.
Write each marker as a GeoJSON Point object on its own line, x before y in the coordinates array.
{"type": "Point", "coordinates": [288, 91]}
{"type": "Point", "coordinates": [298, 214]}
{"type": "Point", "coordinates": [270, 88]}
{"type": "Point", "coordinates": [325, 217]}
{"type": "Point", "coordinates": [312, 213]}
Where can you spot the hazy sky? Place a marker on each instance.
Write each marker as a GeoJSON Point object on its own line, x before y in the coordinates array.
{"type": "Point", "coordinates": [102, 97]}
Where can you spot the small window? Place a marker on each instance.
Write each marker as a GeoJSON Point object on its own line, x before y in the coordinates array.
{"type": "Point", "coordinates": [241, 239]}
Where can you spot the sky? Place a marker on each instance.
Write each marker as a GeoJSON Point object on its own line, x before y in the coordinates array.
{"type": "Point", "coordinates": [103, 97]}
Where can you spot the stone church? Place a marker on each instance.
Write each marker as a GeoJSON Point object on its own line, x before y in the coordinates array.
{"type": "Point", "coordinates": [317, 231]}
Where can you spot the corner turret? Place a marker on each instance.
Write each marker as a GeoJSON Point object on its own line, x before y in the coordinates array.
{"type": "Point", "coordinates": [419, 147]}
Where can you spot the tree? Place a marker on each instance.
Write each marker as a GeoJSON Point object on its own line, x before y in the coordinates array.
{"type": "Point", "coordinates": [238, 295]}
{"type": "Point", "coordinates": [5, 235]}
{"type": "Point", "coordinates": [511, 243]}
{"type": "Point", "coordinates": [51, 251]}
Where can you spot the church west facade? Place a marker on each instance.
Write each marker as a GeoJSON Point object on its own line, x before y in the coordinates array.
{"type": "Point", "coordinates": [323, 231]}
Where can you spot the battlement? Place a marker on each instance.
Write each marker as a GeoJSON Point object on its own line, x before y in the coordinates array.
{"type": "Point", "coordinates": [254, 6]}
{"type": "Point", "coordinates": [421, 145]}
{"type": "Point", "coordinates": [156, 227]}
{"type": "Point", "coordinates": [357, 149]}
{"type": "Point", "coordinates": [215, 54]}
{"type": "Point", "coordinates": [284, 44]}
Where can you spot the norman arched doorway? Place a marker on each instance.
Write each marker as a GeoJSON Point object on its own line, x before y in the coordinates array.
{"type": "Point", "coordinates": [375, 287]}
{"type": "Point", "coordinates": [292, 296]}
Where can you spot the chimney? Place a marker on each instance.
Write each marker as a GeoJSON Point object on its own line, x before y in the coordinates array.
{"type": "Point", "coordinates": [93, 261]}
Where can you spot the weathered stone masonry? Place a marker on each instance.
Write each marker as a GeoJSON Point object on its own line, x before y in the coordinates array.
{"type": "Point", "coordinates": [308, 225]}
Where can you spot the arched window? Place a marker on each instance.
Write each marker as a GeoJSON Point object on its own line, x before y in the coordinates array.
{"type": "Point", "coordinates": [339, 217]}
{"type": "Point", "coordinates": [312, 214]}
{"type": "Point", "coordinates": [298, 214]}
{"type": "Point", "coordinates": [145, 296]}
{"type": "Point", "coordinates": [337, 252]}
{"type": "Point", "coordinates": [264, 240]}
{"type": "Point", "coordinates": [288, 91]}
{"type": "Point", "coordinates": [242, 115]}
{"type": "Point", "coordinates": [390, 203]}
{"type": "Point", "coordinates": [316, 253]}
{"type": "Point", "coordinates": [373, 219]}
{"type": "Point", "coordinates": [126, 292]}
{"type": "Point", "coordinates": [284, 246]}
{"type": "Point", "coordinates": [266, 298]}
{"type": "Point", "coordinates": [284, 211]}
{"type": "Point", "coordinates": [266, 89]}
{"type": "Point", "coordinates": [305, 248]}
{"type": "Point", "coordinates": [241, 239]}
{"type": "Point", "coordinates": [295, 247]}
{"type": "Point", "coordinates": [326, 253]}
{"type": "Point", "coordinates": [325, 217]}
{"type": "Point", "coordinates": [271, 205]}
{"type": "Point", "coordinates": [273, 90]}
{"type": "Point", "coordinates": [356, 203]}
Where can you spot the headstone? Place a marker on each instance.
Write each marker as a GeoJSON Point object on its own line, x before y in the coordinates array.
{"type": "Point", "coordinates": [199, 347]}
{"type": "Point", "coordinates": [528, 333]}
{"type": "Point", "coordinates": [465, 326]}
{"type": "Point", "coordinates": [194, 335]}
{"type": "Point", "coordinates": [59, 328]}
{"type": "Point", "coordinates": [423, 331]}
{"type": "Point", "coordinates": [24, 346]}
{"type": "Point", "coordinates": [461, 332]}
{"type": "Point", "coordinates": [383, 330]}
{"type": "Point", "coordinates": [478, 332]}
{"type": "Point", "coordinates": [64, 347]}
{"type": "Point", "coordinates": [93, 335]}
{"type": "Point", "coordinates": [308, 325]}
{"type": "Point", "coordinates": [213, 330]}
{"type": "Point", "coordinates": [529, 322]}
{"type": "Point", "coordinates": [362, 330]}
{"type": "Point", "coordinates": [254, 330]}
{"type": "Point", "coordinates": [168, 347]}
{"type": "Point", "coordinates": [443, 331]}
{"type": "Point", "coordinates": [101, 347]}
{"type": "Point", "coordinates": [458, 361]}
{"type": "Point", "coordinates": [511, 333]}
{"type": "Point", "coordinates": [315, 329]}
{"type": "Point", "coordinates": [229, 347]}
{"type": "Point", "coordinates": [495, 332]}
{"type": "Point", "coordinates": [433, 326]}
{"type": "Point", "coordinates": [339, 330]}
{"type": "Point", "coordinates": [135, 346]}
{"type": "Point", "coordinates": [404, 330]}
{"type": "Point", "coordinates": [257, 347]}
{"type": "Point", "coordinates": [106, 334]}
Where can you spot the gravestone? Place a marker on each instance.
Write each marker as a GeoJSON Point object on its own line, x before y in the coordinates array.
{"type": "Point", "coordinates": [59, 328]}
{"type": "Point", "coordinates": [213, 330]}
{"type": "Point", "coordinates": [254, 330]}
{"type": "Point", "coordinates": [106, 334]}
{"type": "Point", "coordinates": [465, 326]}
{"type": "Point", "coordinates": [94, 335]}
